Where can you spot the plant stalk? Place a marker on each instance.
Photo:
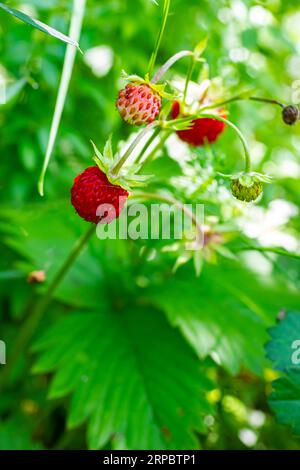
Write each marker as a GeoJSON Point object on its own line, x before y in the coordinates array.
{"type": "Point", "coordinates": [147, 145]}
{"type": "Point", "coordinates": [160, 36]}
{"type": "Point", "coordinates": [115, 170]}
{"type": "Point", "coordinates": [31, 323]}
{"type": "Point", "coordinates": [159, 145]}
{"type": "Point", "coordinates": [160, 73]}
{"type": "Point", "coordinates": [270, 249]}
{"type": "Point", "coordinates": [242, 98]}
{"type": "Point", "coordinates": [228, 123]}
{"type": "Point", "coordinates": [188, 79]}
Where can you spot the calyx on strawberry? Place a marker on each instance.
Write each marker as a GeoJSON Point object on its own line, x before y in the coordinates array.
{"type": "Point", "coordinates": [203, 130]}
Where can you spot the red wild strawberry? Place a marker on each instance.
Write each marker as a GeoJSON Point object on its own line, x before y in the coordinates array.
{"type": "Point", "coordinates": [203, 130]}
{"type": "Point", "coordinates": [138, 104]}
{"type": "Point", "coordinates": [95, 199]}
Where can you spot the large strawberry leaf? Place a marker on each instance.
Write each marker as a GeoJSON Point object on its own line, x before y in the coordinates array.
{"type": "Point", "coordinates": [224, 316]}
{"type": "Point", "coordinates": [284, 351]}
{"type": "Point", "coordinates": [131, 376]}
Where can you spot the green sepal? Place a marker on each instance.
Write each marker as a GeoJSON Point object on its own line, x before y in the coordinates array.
{"type": "Point", "coordinates": [247, 179]}
{"type": "Point", "coordinates": [127, 178]}
{"type": "Point", "coordinates": [178, 125]}
{"type": "Point", "coordinates": [200, 48]}
{"type": "Point", "coordinates": [157, 88]}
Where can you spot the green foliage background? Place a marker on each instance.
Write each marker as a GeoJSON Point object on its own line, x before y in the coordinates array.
{"type": "Point", "coordinates": [128, 354]}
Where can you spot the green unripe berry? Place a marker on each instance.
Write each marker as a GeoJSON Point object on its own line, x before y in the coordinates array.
{"type": "Point", "coordinates": [247, 193]}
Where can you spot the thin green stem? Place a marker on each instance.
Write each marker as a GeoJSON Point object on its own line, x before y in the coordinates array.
{"type": "Point", "coordinates": [176, 122]}
{"type": "Point", "coordinates": [242, 97]}
{"type": "Point", "coordinates": [147, 145]}
{"type": "Point", "coordinates": [188, 79]}
{"type": "Point", "coordinates": [167, 65]}
{"type": "Point", "coordinates": [266, 100]}
{"type": "Point", "coordinates": [270, 249]}
{"type": "Point", "coordinates": [31, 323]}
{"type": "Point", "coordinates": [115, 170]}
{"type": "Point", "coordinates": [160, 36]}
{"type": "Point", "coordinates": [159, 145]}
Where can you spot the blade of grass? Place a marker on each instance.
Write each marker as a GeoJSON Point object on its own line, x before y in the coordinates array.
{"type": "Point", "coordinates": [39, 25]}
{"type": "Point", "coordinates": [75, 30]}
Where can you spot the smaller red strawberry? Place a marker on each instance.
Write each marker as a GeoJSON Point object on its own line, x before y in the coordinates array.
{"type": "Point", "coordinates": [95, 199]}
{"type": "Point", "coordinates": [138, 104]}
{"type": "Point", "coordinates": [203, 130]}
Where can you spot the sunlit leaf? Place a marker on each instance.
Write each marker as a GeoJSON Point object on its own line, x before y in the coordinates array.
{"type": "Point", "coordinates": [75, 30]}
{"type": "Point", "coordinates": [39, 25]}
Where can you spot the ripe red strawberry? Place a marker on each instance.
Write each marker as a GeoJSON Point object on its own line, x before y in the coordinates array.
{"type": "Point", "coordinates": [95, 199]}
{"type": "Point", "coordinates": [203, 130]}
{"type": "Point", "coordinates": [138, 104]}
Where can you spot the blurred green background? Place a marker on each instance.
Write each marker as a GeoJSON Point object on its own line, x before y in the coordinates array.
{"type": "Point", "coordinates": [143, 357]}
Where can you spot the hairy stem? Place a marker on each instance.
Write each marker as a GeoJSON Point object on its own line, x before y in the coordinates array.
{"type": "Point", "coordinates": [31, 323]}
{"type": "Point", "coordinates": [160, 36]}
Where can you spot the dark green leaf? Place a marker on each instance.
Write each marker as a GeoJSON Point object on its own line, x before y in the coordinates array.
{"type": "Point", "coordinates": [131, 376]}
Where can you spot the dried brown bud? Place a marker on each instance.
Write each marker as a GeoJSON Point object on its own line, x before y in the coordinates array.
{"type": "Point", "coordinates": [36, 277]}
{"type": "Point", "coordinates": [290, 115]}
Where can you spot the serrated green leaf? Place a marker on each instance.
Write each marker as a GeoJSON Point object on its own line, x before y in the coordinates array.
{"type": "Point", "coordinates": [152, 381]}
{"type": "Point", "coordinates": [284, 352]}
{"type": "Point", "coordinates": [285, 400]}
{"type": "Point", "coordinates": [279, 349]}
{"type": "Point", "coordinates": [222, 316]}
